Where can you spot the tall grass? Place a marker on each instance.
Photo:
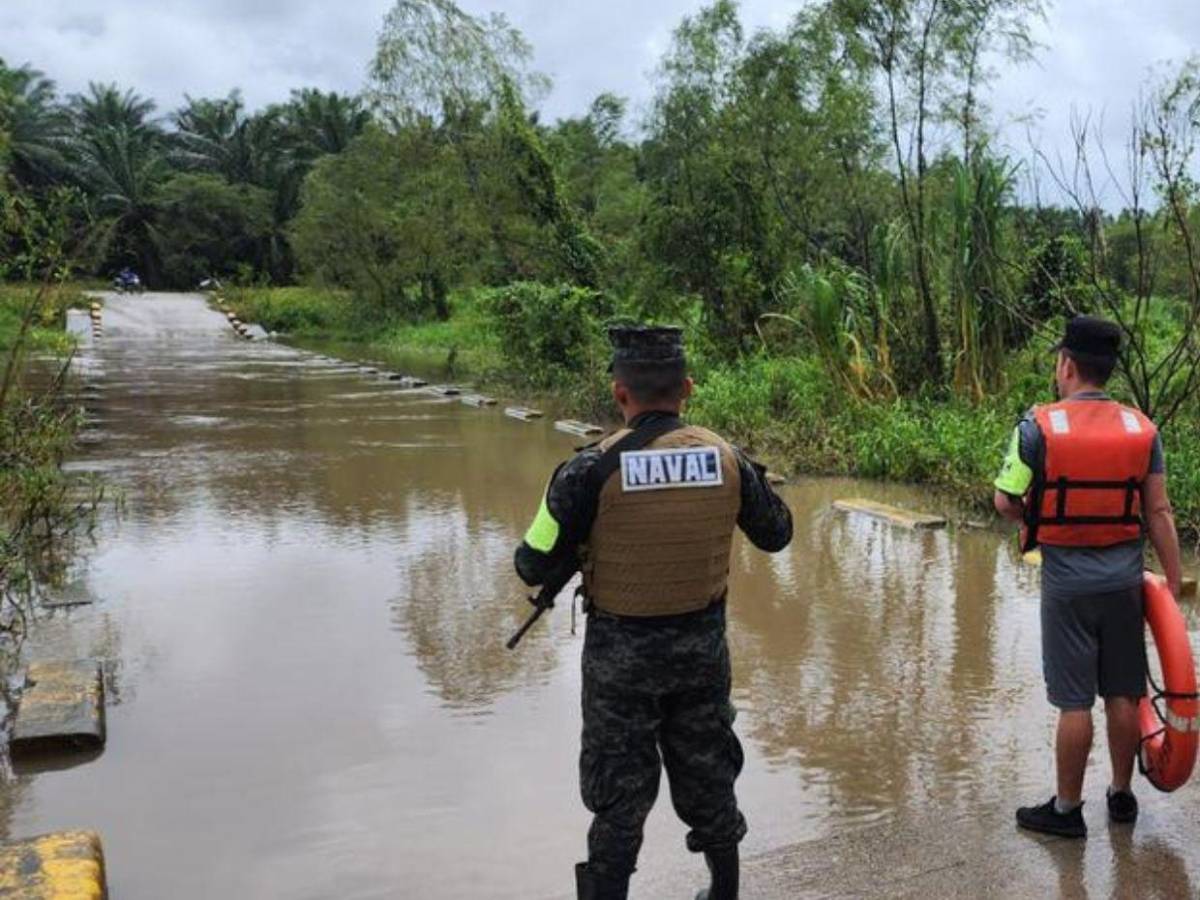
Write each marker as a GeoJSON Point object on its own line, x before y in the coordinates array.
{"type": "Point", "coordinates": [41, 509]}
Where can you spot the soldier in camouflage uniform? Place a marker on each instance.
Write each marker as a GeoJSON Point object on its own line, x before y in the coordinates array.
{"type": "Point", "coordinates": [649, 514]}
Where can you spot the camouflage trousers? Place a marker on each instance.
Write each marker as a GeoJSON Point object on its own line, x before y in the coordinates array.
{"type": "Point", "coordinates": [656, 695]}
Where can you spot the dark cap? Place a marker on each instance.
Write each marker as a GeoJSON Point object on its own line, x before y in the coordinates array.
{"type": "Point", "coordinates": [646, 345]}
{"type": "Point", "coordinates": [1091, 338]}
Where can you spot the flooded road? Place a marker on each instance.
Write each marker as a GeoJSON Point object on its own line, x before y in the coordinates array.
{"type": "Point", "coordinates": [302, 612]}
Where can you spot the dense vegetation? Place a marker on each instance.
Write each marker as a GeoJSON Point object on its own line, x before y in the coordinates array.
{"type": "Point", "coordinates": [42, 510]}
{"type": "Point", "coordinates": [208, 191]}
{"type": "Point", "coordinates": [867, 284]}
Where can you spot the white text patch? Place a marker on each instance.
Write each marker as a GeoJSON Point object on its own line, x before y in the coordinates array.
{"type": "Point", "coordinates": [683, 467]}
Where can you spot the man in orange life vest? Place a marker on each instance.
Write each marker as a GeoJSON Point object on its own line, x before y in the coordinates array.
{"type": "Point", "coordinates": [1087, 478]}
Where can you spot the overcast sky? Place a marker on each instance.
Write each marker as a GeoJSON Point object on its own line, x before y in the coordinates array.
{"type": "Point", "coordinates": [1097, 53]}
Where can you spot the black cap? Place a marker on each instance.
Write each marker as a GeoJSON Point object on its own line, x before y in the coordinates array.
{"type": "Point", "coordinates": [646, 345]}
{"type": "Point", "coordinates": [1092, 339]}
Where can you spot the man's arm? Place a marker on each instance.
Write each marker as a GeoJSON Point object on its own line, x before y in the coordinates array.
{"type": "Point", "coordinates": [1160, 521]}
{"type": "Point", "coordinates": [558, 528]}
{"type": "Point", "coordinates": [1016, 475]}
{"type": "Point", "coordinates": [764, 517]}
{"type": "Point", "coordinates": [1011, 508]}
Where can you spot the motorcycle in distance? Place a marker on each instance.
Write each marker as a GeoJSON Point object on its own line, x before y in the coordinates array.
{"type": "Point", "coordinates": [127, 282]}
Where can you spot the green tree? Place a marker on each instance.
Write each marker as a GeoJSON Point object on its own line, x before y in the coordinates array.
{"type": "Point", "coordinates": [106, 106]}
{"type": "Point", "coordinates": [580, 257]}
{"type": "Point", "coordinates": [35, 126]}
{"type": "Point", "coordinates": [206, 226]}
{"type": "Point", "coordinates": [319, 123]}
{"type": "Point", "coordinates": [389, 220]}
{"type": "Point", "coordinates": [436, 63]}
{"type": "Point", "coordinates": [122, 170]}
{"type": "Point", "coordinates": [926, 51]}
{"type": "Point", "coordinates": [219, 136]}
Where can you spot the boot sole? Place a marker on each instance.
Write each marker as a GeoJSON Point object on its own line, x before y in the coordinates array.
{"type": "Point", "coordinates": [1075, 833]}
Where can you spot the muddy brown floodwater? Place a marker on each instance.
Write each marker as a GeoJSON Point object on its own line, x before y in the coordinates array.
{"type": "Point", "coordinates": [302, 614]}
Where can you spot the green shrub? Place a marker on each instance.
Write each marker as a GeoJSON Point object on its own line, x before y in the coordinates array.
{"type": "Point", "coordinates": [550, 335]}
{"type": "Point", "coordinates": [763, 395]}
{"type": "Point", "coordinates": [295, 310]}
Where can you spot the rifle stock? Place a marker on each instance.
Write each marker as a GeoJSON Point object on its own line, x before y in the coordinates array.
{"type": "Point", "coordinates": [544, 600]}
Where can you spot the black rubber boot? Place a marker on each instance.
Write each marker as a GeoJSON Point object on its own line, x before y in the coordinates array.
{"type": "Point", "coordinates": [723, 866]}
{"type": "Point", "coordinates": [589, 886]}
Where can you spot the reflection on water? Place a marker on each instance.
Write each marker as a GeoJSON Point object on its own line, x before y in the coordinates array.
{"type": "Point", "coordinates": [302, 617]}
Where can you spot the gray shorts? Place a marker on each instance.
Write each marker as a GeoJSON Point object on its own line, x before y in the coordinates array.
{"type": "Point", "coordinates": [1093, 643]}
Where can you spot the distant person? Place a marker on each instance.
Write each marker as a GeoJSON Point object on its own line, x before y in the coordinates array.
{"type": "Point", "coordinates": [651, 511]}
{"type": "Point", "coordinates": [127, 280]}
{"type": "Point", "coordinates": [1086, 476]}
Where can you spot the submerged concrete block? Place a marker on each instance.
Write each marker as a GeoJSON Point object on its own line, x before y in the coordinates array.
{"type": "Point", "coordinates": [410, 381]}
{"type": "Point", "coordinates": [893, 514]}
{"type": "Point", "coordinates": [446, 390]}
{"type": "Point", "coordinates": [68, 865]}
{"type": "Point", "coordinates": [62, 707]}
{"type": "Point", "coordinates": [574, 426]}
{"type": "Point", "coordinates": [477, 400]}
{"type": "Point", "coordinates": [523, 413]}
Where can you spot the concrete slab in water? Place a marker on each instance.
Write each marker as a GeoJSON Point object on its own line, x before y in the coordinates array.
{"type": "Point", "coordinates": [574, 426]}
{"type": "Point", "coordinates": [478, 400]}
{"type": "Point", "coordinates": [894, 514]}
{"type": "Point", "coordinates": [409, 381]}
{"type": "Point", "coordinates": [68, 865]}
{"type": "Point", "coordinates": [523, 413]}
{"type": "Point", "coordinates": [78, 324]}
{"type": "Point", "coordinates": [62, 707]}
{"type": "Point", "coordinates": [445, 390]}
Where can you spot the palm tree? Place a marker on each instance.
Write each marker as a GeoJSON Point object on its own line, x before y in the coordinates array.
{"type": "Point", "coordinates": [321, 123]}
{"type": "Point", "coordinates": [36, 127]}
{"type": "Point", "coordinates": [122, 169]}
{"type": "Point", "coordinates": [105, 106]}
{"type": "Point", "coordinates": [218, 136]}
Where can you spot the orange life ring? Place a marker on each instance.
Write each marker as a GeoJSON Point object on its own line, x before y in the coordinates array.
{"type": "Point", "coordinates": [1170, 720]}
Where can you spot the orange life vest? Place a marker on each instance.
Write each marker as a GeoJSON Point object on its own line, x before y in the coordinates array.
{"type": "Point", "coordinates": [1087, 490]}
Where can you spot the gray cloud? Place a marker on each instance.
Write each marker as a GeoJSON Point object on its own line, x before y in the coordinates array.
{"type": "Point", "coordinates": [88, 24]}
{"type": "Point", "coordinates": [1097, 52]}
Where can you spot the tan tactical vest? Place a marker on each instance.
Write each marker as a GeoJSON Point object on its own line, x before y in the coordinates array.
{"type": "Point", "coordinates": [662, 552]}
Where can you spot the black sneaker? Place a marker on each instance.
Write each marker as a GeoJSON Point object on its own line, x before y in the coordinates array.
{"type": "Point", "coordinates": [1122, 807]}
{"type": "Point", "coordinates": [1048, 820]}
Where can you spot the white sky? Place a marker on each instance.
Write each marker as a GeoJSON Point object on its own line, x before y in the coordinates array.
{"type": "Point", "coordinates": [1097, 53]}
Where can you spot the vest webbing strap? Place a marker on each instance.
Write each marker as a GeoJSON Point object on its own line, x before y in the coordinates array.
{"type": "Point", "coordinates": [1132, 488]}
{"type": "Point", "coordinates": [610, 460]}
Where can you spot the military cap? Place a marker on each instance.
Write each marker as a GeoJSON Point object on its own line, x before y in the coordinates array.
{"type": "Point", "coordinates": [646, 345]}
{"type": "Point", "coordinates": [1091, 339]}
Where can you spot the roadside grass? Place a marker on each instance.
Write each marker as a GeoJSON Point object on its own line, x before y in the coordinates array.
{"type": "Point", "coordinates": [47, 334]}
{"type": "Point", "coordinates": [42, 508]}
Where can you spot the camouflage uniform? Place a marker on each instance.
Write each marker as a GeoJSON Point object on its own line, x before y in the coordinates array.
{"type": "Point", "coordinates": [655, 688]}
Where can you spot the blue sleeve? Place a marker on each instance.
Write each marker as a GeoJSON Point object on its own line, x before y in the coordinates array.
{"type": "Point", "coordinates": [1158, 462]}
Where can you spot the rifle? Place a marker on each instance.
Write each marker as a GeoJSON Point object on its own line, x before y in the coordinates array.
{"type": "Point", "coordinates": [554, 583]}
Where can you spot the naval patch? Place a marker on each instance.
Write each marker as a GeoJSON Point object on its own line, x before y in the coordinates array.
{"type": "Point", "coordinates": [680, 467]}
